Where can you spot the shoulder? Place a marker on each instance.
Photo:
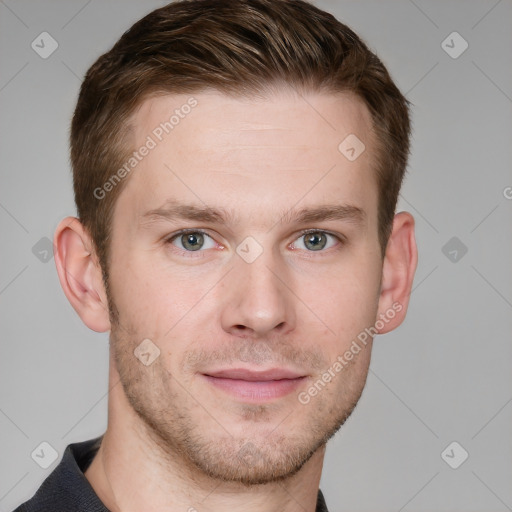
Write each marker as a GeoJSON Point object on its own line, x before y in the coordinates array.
{"type": "Point", "coordinates": [66, 488]}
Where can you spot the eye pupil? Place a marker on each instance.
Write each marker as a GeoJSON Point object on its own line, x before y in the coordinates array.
{"type": "Point", "coordinates": [192, 241]}
{"type": "Point", "coordinates": [315, 241]}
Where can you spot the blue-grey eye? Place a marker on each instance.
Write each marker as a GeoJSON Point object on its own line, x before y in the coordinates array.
{"type": "Point", "coordinates": [315, 241]}
{"type": "Point", "coordinates": [193, 241]}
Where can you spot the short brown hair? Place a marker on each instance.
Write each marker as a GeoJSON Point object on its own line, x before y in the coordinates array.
{"type": "Point", "coordinates": [240, 47]}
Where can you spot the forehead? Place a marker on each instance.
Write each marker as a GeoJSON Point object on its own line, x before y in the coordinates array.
{"type": "Point", "coordinates": [216, 150]}
{"type": "Point", "coordinates": [284, 117]}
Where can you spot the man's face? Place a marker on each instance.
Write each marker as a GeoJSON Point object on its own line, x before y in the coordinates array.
{"type": "Point", "coordinates": [246, 310]}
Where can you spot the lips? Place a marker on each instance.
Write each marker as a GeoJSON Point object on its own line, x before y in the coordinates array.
{"type": "Point", "coordinates": [255, 386]}
{"type": "Point", "coordinates": [255, 376]}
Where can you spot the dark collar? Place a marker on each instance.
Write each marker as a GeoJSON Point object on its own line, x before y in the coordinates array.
{"type": "Point", "coordinates": [66, 488]}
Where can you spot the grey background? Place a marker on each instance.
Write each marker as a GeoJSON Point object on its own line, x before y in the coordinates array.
{"type": "Point", "coordinates": [444, 375]}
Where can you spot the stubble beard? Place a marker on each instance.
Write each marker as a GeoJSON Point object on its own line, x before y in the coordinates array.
{"type": "Point", "coordinates": [274, 454]}
{"type": "Point", "coordinates": [166, 411]}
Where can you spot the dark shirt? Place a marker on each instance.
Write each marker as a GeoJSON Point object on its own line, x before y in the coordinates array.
{"type": "Point", "coordinates": [66, 489]}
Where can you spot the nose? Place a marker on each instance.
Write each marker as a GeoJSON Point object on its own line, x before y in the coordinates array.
{"type": "Point", "coordinates": [258, 299]}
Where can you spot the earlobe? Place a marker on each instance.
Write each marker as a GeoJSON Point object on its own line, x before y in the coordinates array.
{"type": "Point", "coordinates": [399, 266]}
{"type": "Point", "coordinates": [80, 274]}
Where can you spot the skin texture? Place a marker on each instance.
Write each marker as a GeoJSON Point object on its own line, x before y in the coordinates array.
{"type": "Point", "coordinates": [174, 439]}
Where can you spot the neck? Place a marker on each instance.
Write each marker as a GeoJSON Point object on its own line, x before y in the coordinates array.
{"type": "Point", "coordinates": [134, 471]}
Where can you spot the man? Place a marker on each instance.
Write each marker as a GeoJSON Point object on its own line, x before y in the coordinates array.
{"type": "Point", "coordinates": [236, 171]}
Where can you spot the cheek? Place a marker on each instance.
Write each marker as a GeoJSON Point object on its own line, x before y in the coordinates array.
{"type": "Point", "coordinates": [155, 301]}
{"type": "Point", "coordinates": [347, 303]}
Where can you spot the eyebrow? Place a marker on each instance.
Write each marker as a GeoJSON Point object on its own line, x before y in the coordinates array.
{"type": "Point", "coordinates": [173, 210]}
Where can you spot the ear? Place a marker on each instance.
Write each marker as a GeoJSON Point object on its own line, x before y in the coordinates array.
{"type": "Point", "coordinates": [398, 271]}
{"type": "Point", "coordinates": [80, 274]}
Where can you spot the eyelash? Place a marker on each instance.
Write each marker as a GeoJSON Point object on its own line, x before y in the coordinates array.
{"type": "Point", "coordinates": [192, 254]}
